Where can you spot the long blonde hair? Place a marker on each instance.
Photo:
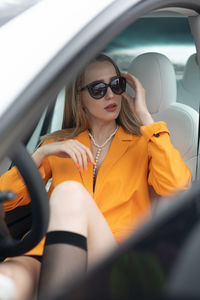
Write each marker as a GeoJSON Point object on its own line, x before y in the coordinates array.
{"type": "Point", "coordinates": [74, 118]}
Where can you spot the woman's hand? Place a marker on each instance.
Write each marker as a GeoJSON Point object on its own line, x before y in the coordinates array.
{"type": "Point", "coordinates": [73, 149]}
{"type": "Point", "coordinates": [137, 104]}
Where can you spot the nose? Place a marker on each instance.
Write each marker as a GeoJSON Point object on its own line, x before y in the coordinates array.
{"type": "Point", "coordinates": [109, 94]}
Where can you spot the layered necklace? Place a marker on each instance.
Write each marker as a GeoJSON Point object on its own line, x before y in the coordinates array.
{"type": "Point", "coordinates": [99, 148]}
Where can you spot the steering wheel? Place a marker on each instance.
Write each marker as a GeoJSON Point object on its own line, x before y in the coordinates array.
{"type": "Point", "coordinates": [39, 202]}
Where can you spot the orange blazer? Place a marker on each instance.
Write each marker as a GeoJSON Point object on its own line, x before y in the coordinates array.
{"type": "Point", "coordinates": [121, 191]}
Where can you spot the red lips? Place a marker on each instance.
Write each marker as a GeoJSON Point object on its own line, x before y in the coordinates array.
{"type": "Point", "coordinates": [112, 105]}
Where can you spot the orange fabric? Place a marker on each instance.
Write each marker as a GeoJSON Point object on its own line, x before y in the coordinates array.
{"type": "Point", "coordinates": [121, 191]}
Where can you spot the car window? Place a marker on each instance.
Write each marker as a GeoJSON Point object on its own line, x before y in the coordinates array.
{"type": "Point", "coordinates": [170, 36]}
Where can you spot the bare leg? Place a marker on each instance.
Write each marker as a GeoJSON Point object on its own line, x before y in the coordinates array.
{"type": "Point", "coordinates": [24, 271]}
{"type": "Point", "coordinates": [74, 211]}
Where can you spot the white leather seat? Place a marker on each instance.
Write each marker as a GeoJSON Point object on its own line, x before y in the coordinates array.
{"type": "Point", "coordinates": [157, 75]}
{"type": "Point", "coordinates": [188, 88]}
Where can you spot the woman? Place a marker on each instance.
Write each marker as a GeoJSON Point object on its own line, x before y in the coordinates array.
{"type": "Point", "coordinates": [101, 164]}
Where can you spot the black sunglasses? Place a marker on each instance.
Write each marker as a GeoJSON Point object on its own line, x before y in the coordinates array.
{"type": "Point", "coordinates": [98, 89]}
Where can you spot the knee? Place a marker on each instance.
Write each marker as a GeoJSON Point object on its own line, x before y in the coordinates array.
{"type": "Point", "coordinates": [69, 187]}
{"type": "Point", "coordinates": [68, 208]}
{"type": "Point", "coordinates": [68, 198]}
{"type": "Point", "coordinates": [68, 190]}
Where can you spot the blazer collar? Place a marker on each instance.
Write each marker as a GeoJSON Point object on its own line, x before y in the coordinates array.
{"type": "Point", "coordinates": [119, 146]}
{"type": "Point", "coordinates": [121, 134]}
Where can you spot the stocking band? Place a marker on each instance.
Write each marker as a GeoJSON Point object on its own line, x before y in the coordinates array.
{"type": "Point", "coordinates": [66, 237]}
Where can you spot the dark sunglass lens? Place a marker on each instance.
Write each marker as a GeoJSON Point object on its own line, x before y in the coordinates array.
{"type": "Point", "coordinates": [118, 85]}
{"type": "Point", "coordinates": [98, 90]}
{"type": "Point", "coordinates": [123, 83]}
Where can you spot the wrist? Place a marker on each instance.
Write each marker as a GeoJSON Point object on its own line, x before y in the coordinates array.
{"type": "Point", "coordinates": [38, 156]}
{"type": "Point", "coordinates": [146, 118]}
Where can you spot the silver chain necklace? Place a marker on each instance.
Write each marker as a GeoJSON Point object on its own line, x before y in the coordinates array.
{"type": "Point", "coordinates": [100, 147]}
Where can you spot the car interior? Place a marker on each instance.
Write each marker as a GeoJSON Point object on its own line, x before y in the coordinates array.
{"type": "Point", "coordinates": [159, 49]}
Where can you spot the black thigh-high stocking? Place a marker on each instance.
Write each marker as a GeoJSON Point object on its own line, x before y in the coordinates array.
{"type": "Point", "coordinates": [64, 258]}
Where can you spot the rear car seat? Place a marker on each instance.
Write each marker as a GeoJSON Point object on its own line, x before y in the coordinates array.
{"type": "Point", "coordinates": [188, 88]}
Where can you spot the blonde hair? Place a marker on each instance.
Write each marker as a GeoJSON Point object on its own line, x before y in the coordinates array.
{"type": "Point", "coordinates": [74, 118]}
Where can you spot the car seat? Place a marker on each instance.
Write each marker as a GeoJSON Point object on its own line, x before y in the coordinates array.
{"type": "Point", "coordinates": [188, 88]}
{"type": "Point", "coordinates": [157, 75]}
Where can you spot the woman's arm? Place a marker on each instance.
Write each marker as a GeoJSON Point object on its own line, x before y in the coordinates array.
{"type": "Point", "coordinates": [73, 149]}
{"type": "Point", "coordinates": [138, 104]}
{"type": "Point", "coordinates": [167, 171]}
{"type": "Point", "coordinates": [12, 181]}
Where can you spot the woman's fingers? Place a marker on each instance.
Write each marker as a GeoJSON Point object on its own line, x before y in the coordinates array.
{"type": "Point", "coordinates": [79, 153]}
{"type": "Point", "coordinates": [82, 158]}
{"type": "Point", "coordinates": [83, 154]}
{"type": "Point", "coordinates": [139, 107]}
{"type": "Point", "coordinates": [74, 157]}
{"type": "Point", "coordinates": [87, 150]}
{"type": "Point", "coordinates": [133, 81]}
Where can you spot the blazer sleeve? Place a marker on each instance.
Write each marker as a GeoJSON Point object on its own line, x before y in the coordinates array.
{"type": "Point", "coordinates": [168, 173]}
{"type": "Point", "coordinates": [12, 181]}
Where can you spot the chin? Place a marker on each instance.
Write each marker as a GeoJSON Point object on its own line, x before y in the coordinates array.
{"type": "Point", "coordinates": [111, 118]}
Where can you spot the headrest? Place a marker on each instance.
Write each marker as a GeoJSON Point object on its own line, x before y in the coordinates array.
{"type": "Point", "coordinates": [191, 76]}
{"type": "Point", "coordinates": [157, 75]}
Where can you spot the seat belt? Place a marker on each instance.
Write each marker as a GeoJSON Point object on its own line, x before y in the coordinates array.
{"type": "Point", "coordinates": [198, 141]}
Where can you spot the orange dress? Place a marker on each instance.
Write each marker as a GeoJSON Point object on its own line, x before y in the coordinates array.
{"type": "Point", "coordinates": [121, 190]}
